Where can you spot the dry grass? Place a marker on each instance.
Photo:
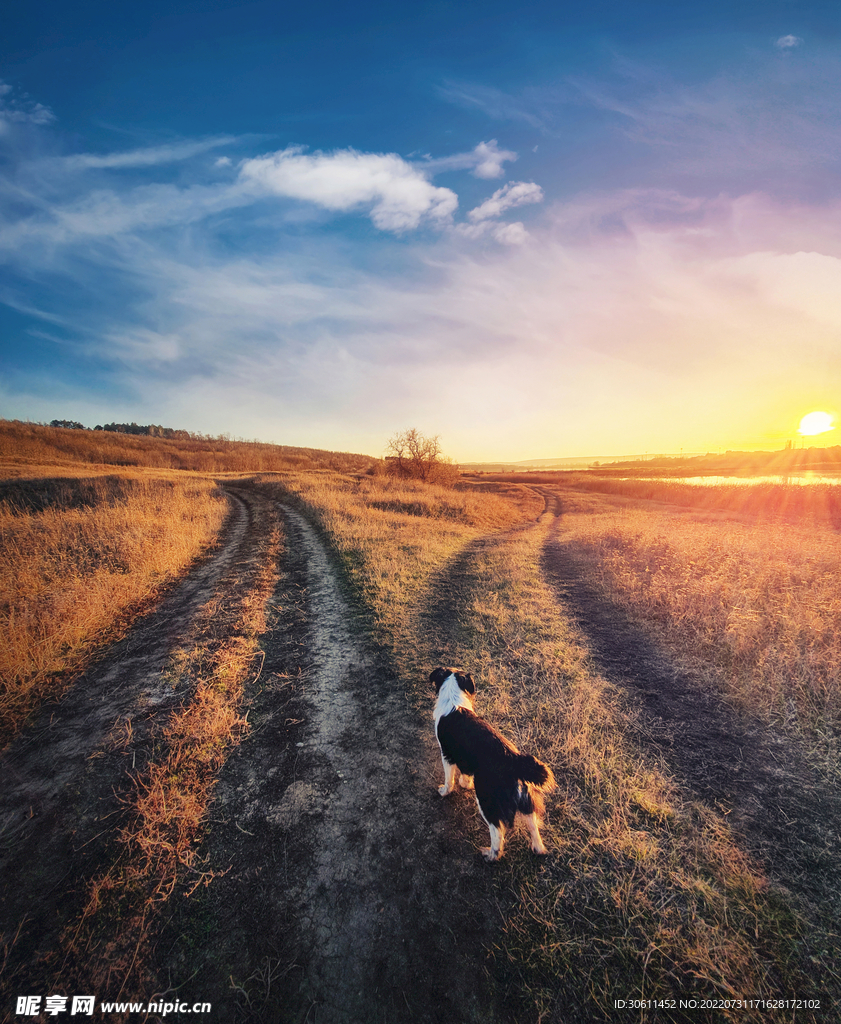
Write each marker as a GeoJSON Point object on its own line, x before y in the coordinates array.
{"type": "Point", "coordinates": [754, 605]}
{"type": "Point", "coordinates": [23, 445]}
{"type": "Point", "coordinates": [648, 895]}
{"type": "Point", "coordinates": [77, 556]}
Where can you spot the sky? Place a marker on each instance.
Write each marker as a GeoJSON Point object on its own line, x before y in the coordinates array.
{"type": "Point", "coordinates": [535, 230]}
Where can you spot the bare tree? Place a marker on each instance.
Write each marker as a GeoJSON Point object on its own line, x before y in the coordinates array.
{"type": "Point", "coordinates": [415, 457]}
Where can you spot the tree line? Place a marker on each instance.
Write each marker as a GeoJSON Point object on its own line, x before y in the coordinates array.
{"type": "Point", "coordinates": [146, 430]}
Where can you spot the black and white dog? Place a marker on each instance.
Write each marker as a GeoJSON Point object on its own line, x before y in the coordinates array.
{"type": "Point", "coordinates": [507, 783]}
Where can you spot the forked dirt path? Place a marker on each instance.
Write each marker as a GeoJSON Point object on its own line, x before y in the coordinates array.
{"type": "Point", "coordinates": [346, 890]}
{"type": "Point", "coordinates": [787, 814]}
{"type": "Point", "coordinates": [349, 897]}
{"type": "Point", "coordinates": [62, 779]}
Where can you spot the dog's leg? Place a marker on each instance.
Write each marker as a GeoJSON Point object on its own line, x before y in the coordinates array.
{"type": "Point", "coordinates": [466, 781]}
{"type": "Point", "coordinates": [534, 832]}
{"type": "Point", "coordinates": [449, 777]}
{"type": "Point", "coordinates": [494, 851]}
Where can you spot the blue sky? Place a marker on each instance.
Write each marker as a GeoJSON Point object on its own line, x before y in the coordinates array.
{"type": "Point", "coordinates": [536, 230]}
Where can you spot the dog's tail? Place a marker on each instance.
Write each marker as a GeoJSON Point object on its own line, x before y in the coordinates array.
{"type": "Point", "coordinates": [529, 769]}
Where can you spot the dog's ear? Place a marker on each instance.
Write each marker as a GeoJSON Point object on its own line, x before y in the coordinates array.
{"type": "Point", "coordinates": [465, 681]}
{"type": "Point", "coordinates": [437, 677]}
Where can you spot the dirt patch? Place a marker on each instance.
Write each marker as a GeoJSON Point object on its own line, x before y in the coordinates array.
{"type": "Point", "coordinates": [65, 778]}
{"type": "Point", "coordinates": [760, 780]}
{"type": "Point", "coordinates": [349, 896]}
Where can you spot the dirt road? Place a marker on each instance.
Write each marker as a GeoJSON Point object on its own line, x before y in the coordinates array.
{"type": "Point", "coordinates": [350, 896]}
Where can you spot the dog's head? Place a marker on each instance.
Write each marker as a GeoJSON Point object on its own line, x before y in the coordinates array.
{"type": "Point", "coordinates": [439, 676]}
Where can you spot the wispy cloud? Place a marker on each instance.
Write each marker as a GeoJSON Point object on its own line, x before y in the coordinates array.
{"type": "Point", "coordinates": [620, 299]}
{"type": "Point", "coordinates": [51, 201]}
{"type": "Point", "coordinates": [21, 109]}
{"type": "Point", "coordinates": [149, 156]}
{"type": "Point", "coordinates": [761, 124]}
{"type": "Point", "coordinates": [515, 193]}
{"type": "Point", "coordinates": [759, 121]}
{"type": "Point", "coordinates": [631, 311]}
{"type": "Point", "coordinates": [108, 213]}
{"type": "Point", "coordinates": [536, 107]}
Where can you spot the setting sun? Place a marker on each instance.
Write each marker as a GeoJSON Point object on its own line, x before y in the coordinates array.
{"type": "Point", "coordinates": [816, 423]}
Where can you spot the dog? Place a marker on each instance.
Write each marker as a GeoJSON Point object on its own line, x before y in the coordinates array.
{"type": "Point", "coordinates": [506, 782]}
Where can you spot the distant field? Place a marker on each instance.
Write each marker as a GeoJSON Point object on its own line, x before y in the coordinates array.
{"type": "Point", "coordinates": [27, 445]}
{"type": "Point", "coordinates": [818, 504]}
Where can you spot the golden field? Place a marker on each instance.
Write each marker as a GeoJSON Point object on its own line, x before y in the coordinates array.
{"type": "Point", "coordinates": [740, 582]}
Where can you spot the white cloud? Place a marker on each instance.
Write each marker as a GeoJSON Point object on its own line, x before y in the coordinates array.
{"type": "Point", "coordinates": [491, 159]}
{"type": "Point", "coordinates": [515, 193]}
{"type": "Point", "coordinates": [485, 161]}
{"type": "Point", "coordinates": [397, 193]}
{"type": "Point", "coordinates": [787, 42]}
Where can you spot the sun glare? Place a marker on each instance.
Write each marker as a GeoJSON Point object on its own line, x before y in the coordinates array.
{"type": "Point", "coordinates": [816, 423]}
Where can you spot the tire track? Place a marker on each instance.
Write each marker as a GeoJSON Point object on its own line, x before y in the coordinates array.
{"type": "Point", "coordinates": [63, 779]}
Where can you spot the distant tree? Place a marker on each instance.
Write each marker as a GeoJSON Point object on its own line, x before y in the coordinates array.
{"type": "Point", "coordinates": [413, 456]}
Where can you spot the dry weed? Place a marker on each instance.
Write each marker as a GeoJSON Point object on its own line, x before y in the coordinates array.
{"type": "Point", "coordinates": [23, 445]}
